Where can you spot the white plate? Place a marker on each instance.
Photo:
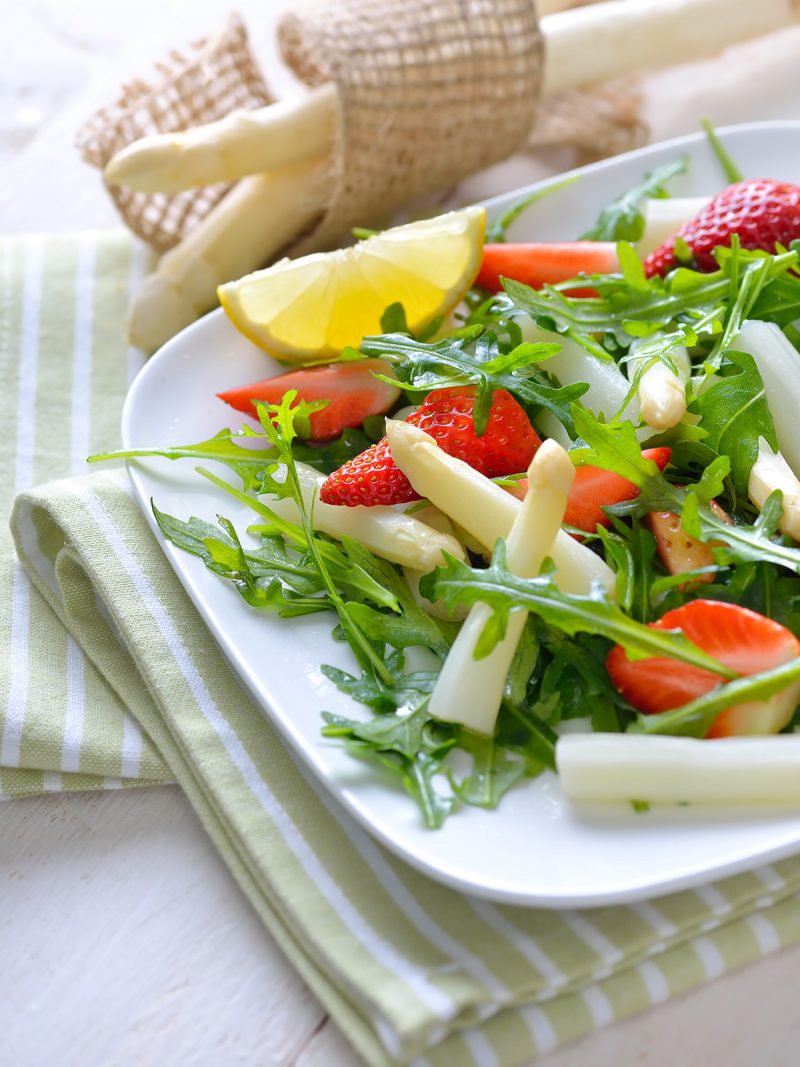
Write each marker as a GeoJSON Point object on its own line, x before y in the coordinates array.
{"type": "Point", "coordinates": [536, 849]}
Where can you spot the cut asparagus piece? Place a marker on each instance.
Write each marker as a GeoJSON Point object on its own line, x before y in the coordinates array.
{"type": "Point", "coordinates": [676, 770]}
{"type": "Point", "coordinates": [770, 472]}
{"type": "Point", "coordinates": [550, 425]}
{"type": "Point", "coordinates": [661, 392]}
{"type": "Point", "coordinates": [470, 690]}
{"type": "Point", "coordinates": [431, 516]}
{"type": "Point", "coordinates": [663, 218]}
{"type": "Point", "coordinates": [778, 363]}
{"type": "Point", "coordinates": [245, 229]}
{"type": "Point", "coordinates": [386, 531]}
{"type": "Point", "coordinates": [244, 142]}
{"type": "Point", "coordinates": [608, 386]}
{"type": "Point", "coordinates": [482, 508]}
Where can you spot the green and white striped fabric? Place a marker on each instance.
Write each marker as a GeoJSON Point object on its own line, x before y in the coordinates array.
{"type": "Point", "coordinates": [110, 677]}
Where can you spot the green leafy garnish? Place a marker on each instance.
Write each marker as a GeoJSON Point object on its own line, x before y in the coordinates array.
{"type": "Point", "coordinates": [594, 613]}
{"type": "Point", "coordinates": [695, 719]}
{"type": "Point", "coordinates": [614, 447]}
{"type": "Point", "coordinates": [732, 172]}
{"type": "Point", "coordinates": [496, 230]}
{"type": "Point", "coordinates": [735, 414]}
{"type": "Point", "coordinates": [477, 358]}
{"type": "Point", "coordinates": [623, 219]}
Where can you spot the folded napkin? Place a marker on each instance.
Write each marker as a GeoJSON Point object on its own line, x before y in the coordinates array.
{"type": "Point", "coordinates": [110, 677]}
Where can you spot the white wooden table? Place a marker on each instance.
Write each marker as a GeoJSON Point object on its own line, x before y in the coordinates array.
{"type": "Point", "coordinates": [124, 939]}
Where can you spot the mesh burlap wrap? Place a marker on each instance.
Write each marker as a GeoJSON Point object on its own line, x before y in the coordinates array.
{"type": "Point", "coordinates": [597, 122]}
{"type": "Point", "coordinates": [430, 91]}
{"type": "Point", "coordinates": [204, 82]}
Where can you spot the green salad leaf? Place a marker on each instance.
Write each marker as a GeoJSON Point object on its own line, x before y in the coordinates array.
{"type": "Point", "coordinates": [623, 219]}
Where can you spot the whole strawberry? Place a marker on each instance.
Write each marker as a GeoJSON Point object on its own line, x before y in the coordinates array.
{"type": "Point", "coordinates": [762, 212]}
{"type": "Point", "coordinates": [506, 447]}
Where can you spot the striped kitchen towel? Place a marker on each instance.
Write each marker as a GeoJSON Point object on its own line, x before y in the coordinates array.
{"type": "Point", "coordinates": [110, 677]}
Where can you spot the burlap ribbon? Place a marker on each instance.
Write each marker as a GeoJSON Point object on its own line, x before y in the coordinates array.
{"type": "Point", "coordinates": [205, 81]}
{"type": "Point", "coordinates": [430, 92]}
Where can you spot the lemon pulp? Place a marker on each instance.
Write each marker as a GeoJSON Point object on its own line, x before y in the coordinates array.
{"type": "Point", "coordinates": [311, 308]}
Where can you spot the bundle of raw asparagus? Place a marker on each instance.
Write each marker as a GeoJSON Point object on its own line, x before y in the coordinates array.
{"type": "Point", "coordinates": [406, 96]}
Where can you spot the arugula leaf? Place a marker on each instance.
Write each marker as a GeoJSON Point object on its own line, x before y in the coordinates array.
{"type": "Point", "coordinates": [411, 747]}
{"type": "Point", "coordinates": [575, 680]}
{"type": "Point", "coordinates": [630, 553]}
{"type": "Point", "coordinates": [405, 691]}
{"type": "Point", "coordinates": [495, 770]}
{"type": "Point", "coordinates": [476, 358]}
{"type": "Point", "coordinates": [270, 578]}
{"type": "Point", "coordinates": [658, 304]}
{"type": "Point", "coordinates": [496, 230]}
{"type": "Point", "coordinates": [523, 728]}
{"type": "Point", "coordinates": [778, 302]}
{"type": "Point", "coordinates": [695, 719]}
{"type": "Point", "coordinates": [623, 220]}
{"type": "Point", "coordinates": [404, 626]}
{"type": "Point", "coordinates": [595, 613]}
{"type": "Point", "coordinates": [735, 414]}
{"type": "Point", "coordinates": [333, 454]}
{"type": "Point", "coordinates": [732, 172]}
{"type": "Point", "coordinates": [614, 447]}
{"type": "Point", "coordinates": [393, 320]}
{"type": "Point", "coordinates": [685, 306]}
{"type": "Point", "coordinates": [252, 465]}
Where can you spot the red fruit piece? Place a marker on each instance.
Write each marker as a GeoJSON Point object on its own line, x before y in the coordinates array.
{"type": "Point", "coordinates": [353, 392]}
{"type": "Point", "coordinates": [762, 212]}
{"type": "Point", "coordinates": [740, 639]}
{"type": "Point", "coordinates": [595, 488]}
{"type": "Point", "coordinates": [545, 264]}
{"type": "Point", "coordinates": [679, 551]}
{"type": "Point", "coordinates": [506, 447]}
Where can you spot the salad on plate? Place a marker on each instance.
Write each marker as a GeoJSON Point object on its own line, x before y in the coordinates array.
{"type": "Point", "coordinates": [547, 491]}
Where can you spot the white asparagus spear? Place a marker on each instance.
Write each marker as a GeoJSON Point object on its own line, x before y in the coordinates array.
{"type": "Point", "coordinates": [585, 45]}
{"type": "Point", "coordinates": [674, 770]}
{"type": "Point", "coordinates": [602, 41]}
{"type": "Point", "coordinates": [550, 426]}
{"type": "Point", "coordinates": [244, 230]}
{"type": "Point", "coordinates": [470, 690]}
{"type": "Point", "coordinates": [665, 216]}
{"type": "Point", "coordinates": [778, 363]}
{"type": "Point", "coordinates": [661, 392]}
{"type": "Point", "coordinates": [482, 508]}
{"type": "Point", "coordinates": [608, 386]}
{"type": "Point", "coordinates": [770, 472]}
{"type": "Point", "coordinates": [243, 142]}
{"type": "Point", "coordinates": [431, 516]}
{"type": "Point", "coordinates": [387, 532]}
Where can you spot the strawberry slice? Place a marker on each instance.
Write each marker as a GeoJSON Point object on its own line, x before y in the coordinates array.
{"type": "Point", "coordinates": [594, 489]}
{"type": "Point", "coordinates": [506, 447]}
{"type": "Point", "coordinates": [761, 211]}
{"type": "Point", "coordinates": [739, 638]}
{"type": "Point", "coordinates": [353, 392]}
{"type": "Point", "coordinates": [679, 551]}
{"type": "Point", "coordinates": [545, 264]}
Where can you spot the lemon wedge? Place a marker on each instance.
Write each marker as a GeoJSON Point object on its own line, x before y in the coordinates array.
{"type": "Point", "coordinates": [311, 308]}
